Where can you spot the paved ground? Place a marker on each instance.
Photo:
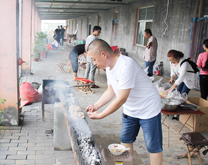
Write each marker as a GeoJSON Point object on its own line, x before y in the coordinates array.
{"type": "Point", "coordinates": [28, 144]}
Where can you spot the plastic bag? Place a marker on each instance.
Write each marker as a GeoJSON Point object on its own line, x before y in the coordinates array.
{"type": "Point", "coordinates": [177, 95]}
{"type": "Point", "coordinates": [159, 87]}
{"type": "Point", "coordinates": [166, 85]}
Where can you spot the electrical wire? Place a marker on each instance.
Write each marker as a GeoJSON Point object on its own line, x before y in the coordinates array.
{"type": "Point", "coordinates": [166, 18]}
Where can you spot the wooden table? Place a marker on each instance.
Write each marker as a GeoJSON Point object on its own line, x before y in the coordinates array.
{"type": "Point", "coordinates": [180, 111]}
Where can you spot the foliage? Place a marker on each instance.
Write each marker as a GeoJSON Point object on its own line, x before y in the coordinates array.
{"type": "Point", "coordinates": [2, 101]}
{"type": "Point", "coordinates": [40, 43]}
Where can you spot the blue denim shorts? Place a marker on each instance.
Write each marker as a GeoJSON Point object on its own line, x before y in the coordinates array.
{"type": "Point", "coordinates": [152, 131]}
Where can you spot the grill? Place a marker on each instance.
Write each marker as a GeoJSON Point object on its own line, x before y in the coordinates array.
{"type": "Point", "coordinates": [82, 141]}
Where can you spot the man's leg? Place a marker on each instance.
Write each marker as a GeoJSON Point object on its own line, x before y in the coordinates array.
{"type": "Point", "coordinates": [150, 70]}
{"type": "Point", "coordinates": [62, 40]}
{"type": "Point", "coordinates": [128, 145]}
{"type": "Point", "coordinates": [75, 75]}
{"type": "Point", "coordinates": [156, 158]}
{"type": "Point", "coordinates": [92, 71]}
{"type": "Point", "coordinates": [147, 64]}
{"type": "Point", "coordinates": [152, 131]}
{"type": "Point", "coordinates": [87, 70]}
{"type": "Point", "coordinates": [74, 62]}
{"type": "Point", "coordinates": [129, 131]}
{"type": "Point", "coordinates": [54, 47]}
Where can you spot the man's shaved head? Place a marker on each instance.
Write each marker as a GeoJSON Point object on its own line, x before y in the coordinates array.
{"type": "Point", "coordinates": [98, 45]}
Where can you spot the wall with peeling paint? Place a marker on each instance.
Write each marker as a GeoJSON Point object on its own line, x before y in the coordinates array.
{"type": "Point", "coordinates": [176, 36]}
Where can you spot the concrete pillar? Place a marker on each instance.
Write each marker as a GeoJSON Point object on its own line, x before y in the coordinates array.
{"type": "Point", "coordinates": [36, 19]}
{"type": "Point", "coordinates": [26, 36]}
{"type": "Point", "coordinates": [32, 25]}
{"type": "Point", "coordinates": [61, 136]}
{"type": "Point", "coordinates": [9, 84]}
{"type": "Point", "coordinates": [39, 23]}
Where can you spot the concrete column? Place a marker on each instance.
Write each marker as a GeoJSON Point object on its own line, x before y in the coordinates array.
{"type": "Point", "coordinates": [36, 19]}
{"type": "Point", "coordinates": [39, 23]}
{"type": "Point", "coordinates": [26, 36]}
{"type": "Point", "coordinates": [32, 25]}
{"type": "Point", "coordinates": [9, 84]}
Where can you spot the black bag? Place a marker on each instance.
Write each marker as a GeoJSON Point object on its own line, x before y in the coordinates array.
{"type": "Point", "coordinates": [206, 66]}
{"type": "Point", "coordinates": [193, 65]}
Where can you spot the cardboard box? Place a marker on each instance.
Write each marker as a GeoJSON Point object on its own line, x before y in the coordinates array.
{"type": "Point", "coordinates": [200, 123]}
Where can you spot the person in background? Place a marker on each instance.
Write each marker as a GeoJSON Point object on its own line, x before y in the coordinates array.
{"type": "Point", "coordinates": [90, 67]}
{"type": "Point", "coordinates": [62, 35]}
{"type": "Point", "coordinates": [202, 63]}
{"type": "Point", "coordinates": [185, 80]}
{"type": "Point", "coordinates": [57, 34]}
{"type": "Point", "coordinates": [55, 44]}
{"type": "Point", "coordinates": [73, 56]}
{"type": "Point", "coordinates": [150, 53]}
{"type": "Point", "coordinates": [134, 91]}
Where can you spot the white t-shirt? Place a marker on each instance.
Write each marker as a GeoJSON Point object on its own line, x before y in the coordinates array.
{"type": "Point", "coordinates": [183, 75]}
{"type": "Point", "coordinates": [89, 39]}
{"type": "Point", "coordinates": [144, 100]}
{"type": "Point", "coordinates": [55, 43]}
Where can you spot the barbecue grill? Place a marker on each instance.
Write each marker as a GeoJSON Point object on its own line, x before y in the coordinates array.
{"type": "Point", "coordinates": [84, 147]}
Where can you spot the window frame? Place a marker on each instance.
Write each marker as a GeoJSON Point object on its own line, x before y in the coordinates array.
{"type": "Point", "coordinates": [143, 21]}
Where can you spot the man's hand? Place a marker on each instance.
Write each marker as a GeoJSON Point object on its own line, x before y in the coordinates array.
{"type": "Point", "coordinates": [149, 45]}
{"type": "Point", "coordinates": [94, 115]}
{"type": "Point", "coordinates": [91, 108]}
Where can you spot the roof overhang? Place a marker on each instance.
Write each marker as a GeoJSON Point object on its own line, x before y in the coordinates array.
{"type": "Point", "coordinates": [64, 9]}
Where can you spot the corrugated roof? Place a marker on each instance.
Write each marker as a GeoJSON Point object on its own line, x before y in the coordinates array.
{"type": "Point", "coordinates": [68, 9]}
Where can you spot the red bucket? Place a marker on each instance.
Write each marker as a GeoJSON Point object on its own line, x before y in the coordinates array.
{"type": "Point", "coordinates": [49, 47]}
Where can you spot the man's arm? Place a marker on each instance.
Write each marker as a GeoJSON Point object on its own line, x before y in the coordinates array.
{"type": "Point", "coordinates": [116, 104]}
{"type": "Point", "coordinates": [149, 45]}
{"type": "Point", "coordinates": [107, 96]}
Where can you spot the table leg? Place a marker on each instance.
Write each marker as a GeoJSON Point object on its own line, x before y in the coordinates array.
{"type": "Point", "coordinates": [168, 126]}
{"type": "Point", "coordinates": [168, 131]}
{"type": "Point", "coordinates": [184, 124]}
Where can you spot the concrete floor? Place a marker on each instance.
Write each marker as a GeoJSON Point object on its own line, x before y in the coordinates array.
{"type": "Point", "coordinates": [28, 144]}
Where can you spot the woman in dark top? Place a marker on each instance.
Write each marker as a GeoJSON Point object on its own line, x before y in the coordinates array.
{"type": "Point", "coordinates": [73, 56]}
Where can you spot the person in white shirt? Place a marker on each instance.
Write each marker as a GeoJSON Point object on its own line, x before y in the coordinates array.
{"type": "Point", "coordinates": [90, 67]}
{"type": "Point", "coordinates": [55, 44]}
{"type": "Point", "coordinates": [135, 92]}
{"type": "Point", "coordinates": [186, 79]}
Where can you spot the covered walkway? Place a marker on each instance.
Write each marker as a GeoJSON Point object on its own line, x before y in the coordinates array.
{"type": "Point", "coordinates": [25, 141]}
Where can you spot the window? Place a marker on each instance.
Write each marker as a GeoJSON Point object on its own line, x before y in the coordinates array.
{"type": "Point", "coordinates": [145, 19]}
{"type": "Point", "coordinates": [99, 20]}
{"type": "Point", "coordinates": [89, 25]}
{"type": "Point", "coordinates": [205, 9]}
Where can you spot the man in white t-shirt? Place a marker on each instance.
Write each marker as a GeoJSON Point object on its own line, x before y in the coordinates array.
{"type": "Point", "coordinates": [90, 67]}
{"type": "Point", "coordinates": [134, 90]}
{"type": "Point", "coordinates": [55, 44]}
